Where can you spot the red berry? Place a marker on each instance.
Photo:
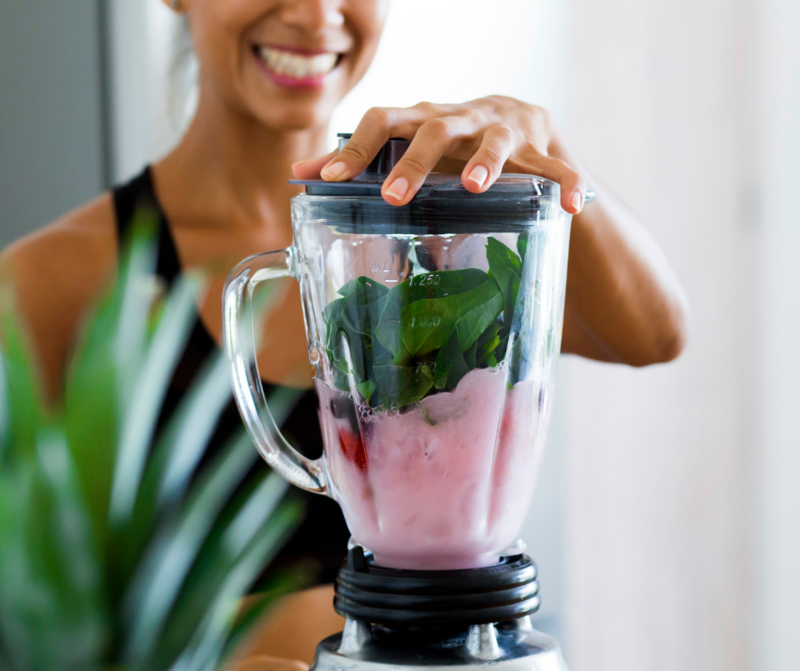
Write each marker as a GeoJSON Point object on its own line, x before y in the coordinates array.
{"type": "Point", "coordinates": [353, 448]}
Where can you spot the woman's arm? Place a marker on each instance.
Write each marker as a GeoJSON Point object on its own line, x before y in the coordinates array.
{"type": "Point", "coordinates": [623, 304]}
{"type": "Point", "coordinates": [55, 275]}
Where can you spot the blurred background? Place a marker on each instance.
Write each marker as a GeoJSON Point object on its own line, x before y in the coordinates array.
{"type": "Point", "coordinates": [667, 519]}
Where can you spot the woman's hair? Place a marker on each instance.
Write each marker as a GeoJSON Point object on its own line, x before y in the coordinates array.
{"type": "Point", "coordinates": [182, 77]}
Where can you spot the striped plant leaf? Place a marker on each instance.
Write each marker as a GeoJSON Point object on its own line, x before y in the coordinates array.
{"type": "Point", "coordinates": [107, 543]}
{"type": "Point", "coordinates": [51, 608]}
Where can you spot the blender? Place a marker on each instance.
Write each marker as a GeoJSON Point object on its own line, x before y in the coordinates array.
{"type": "Point", "coordinates": [433, 331]}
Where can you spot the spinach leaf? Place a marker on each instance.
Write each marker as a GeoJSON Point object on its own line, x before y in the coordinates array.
{"type": "Point", "coordinates": [403, 330]}
{"type": "Point", "coordinates": [367, 289]}
{"type": "Point", "coordinates": [396, 386]}
{"type": "Point", "coordinates": [488, 343]}
{"type": "Point", "coordinates": [424, 334]}
{"type": "Point", "coordinates": [476, 321]}
{"type": "Point", "coordinates": [450, 365]}
{"type": "Point", "coordinates": [366, 389]}
{"type": "Point", "coordinates": [522, 245]}
{"type": "Point", "coordinates": [506, 268]}
{"type": "Point", "coordinates": [426, 324]}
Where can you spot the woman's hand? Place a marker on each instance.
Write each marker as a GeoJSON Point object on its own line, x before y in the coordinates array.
{"type": "Point", "coordinates": [623, 302]}
{"type": "Point", "coordinates": [481, 139]}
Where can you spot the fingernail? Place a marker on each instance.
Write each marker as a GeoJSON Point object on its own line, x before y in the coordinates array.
{"type": "Point", "coordinates": [577, 201]}
{"type": "Point", "coordinates": [334, 171]}
{"type": "Point", "coordinates": [478, 175]}
{"type": "Point", "coordinates": [398, 189]}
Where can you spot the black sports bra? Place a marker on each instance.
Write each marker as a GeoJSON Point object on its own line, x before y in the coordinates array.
{"type": "Point", "coordinates": [321, 540]}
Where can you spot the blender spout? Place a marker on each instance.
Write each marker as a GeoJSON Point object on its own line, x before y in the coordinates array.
{"type": "Point", "coordinates": [482, 642]}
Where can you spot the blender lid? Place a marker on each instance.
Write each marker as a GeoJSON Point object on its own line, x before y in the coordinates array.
{"type": "Point", "coordinates": [442, 203]}
{"type": "Point", "coordinates": [438, 185]}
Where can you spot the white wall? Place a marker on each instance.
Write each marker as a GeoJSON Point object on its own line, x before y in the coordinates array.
{"type": "Point", "coordinates": [690, 111]}
{"type": "Point", "coordinates": [143, 124]}
{"type": "Point", "coordinates": [776, 535]}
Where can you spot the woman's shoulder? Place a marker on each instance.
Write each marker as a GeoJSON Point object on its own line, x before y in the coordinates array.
{"type": "Point", "coordinates": [85, 229]}
{"type": "Point", "coordinates": [57, 273]}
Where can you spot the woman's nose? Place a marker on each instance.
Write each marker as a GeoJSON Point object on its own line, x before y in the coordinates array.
{"type": "Point", "coordinates": [313, 15]}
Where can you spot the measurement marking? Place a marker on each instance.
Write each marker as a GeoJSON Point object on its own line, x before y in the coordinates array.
{"type": "Point", "coordinates": [391, 281]}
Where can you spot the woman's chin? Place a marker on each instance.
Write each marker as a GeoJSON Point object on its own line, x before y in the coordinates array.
{"type": "Point", "coordinates": [294, 118]}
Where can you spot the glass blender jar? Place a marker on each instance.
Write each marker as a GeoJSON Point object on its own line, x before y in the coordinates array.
{"type": "Point", "coordinates": [434, 331]}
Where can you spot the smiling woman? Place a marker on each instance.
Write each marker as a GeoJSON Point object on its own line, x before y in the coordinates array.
{"type": "Point", "coordinates": [295, 68]}
{"type": "Point", "coordinates": [271, 73]}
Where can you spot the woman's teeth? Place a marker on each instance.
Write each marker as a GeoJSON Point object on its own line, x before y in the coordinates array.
{"type": "Point", "coordinates": [294, 65]}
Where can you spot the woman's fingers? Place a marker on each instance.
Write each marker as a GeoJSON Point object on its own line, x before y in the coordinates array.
{"type": "Point", "coordinates": [573, 186]}
{"type": "Point", "coordinates": [432, 141]}
{"type": "Point", "coordinates": [483, 169]}
{"type": "Point", "coordinates": [439, 133]}
{"type": "Point", "coordinates": [377, 126]}
{"type": "Point", "coordinates": [311, 168]}
{"type": "Point", "coordinates": [373, 131]}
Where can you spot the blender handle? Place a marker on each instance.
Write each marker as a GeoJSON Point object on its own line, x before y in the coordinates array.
{"type": "Point", "coordinates": [239, 331]}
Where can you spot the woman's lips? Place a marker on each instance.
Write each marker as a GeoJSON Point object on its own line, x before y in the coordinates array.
{"type": "Point", "coordinates": [295, 69]}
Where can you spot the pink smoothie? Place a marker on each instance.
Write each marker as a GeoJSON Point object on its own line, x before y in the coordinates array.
{"type": "Point", "coordinates": [444, 485]}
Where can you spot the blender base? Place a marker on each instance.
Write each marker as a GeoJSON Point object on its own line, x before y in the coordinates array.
{"type": "Point", "coordinates": [471, 618]}
{"type": "Point", "coordinates": [511, 646]}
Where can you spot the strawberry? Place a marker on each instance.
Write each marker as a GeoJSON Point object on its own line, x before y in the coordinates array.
{"type": "Point", "coordinates": [353, 448]}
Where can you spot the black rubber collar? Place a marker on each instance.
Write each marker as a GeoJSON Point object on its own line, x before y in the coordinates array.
{"type": "Point", "coordinates": [436, 599]}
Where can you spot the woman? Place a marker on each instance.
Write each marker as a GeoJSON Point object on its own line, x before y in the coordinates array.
{"type": "Point", "coordinates": [271, 72]}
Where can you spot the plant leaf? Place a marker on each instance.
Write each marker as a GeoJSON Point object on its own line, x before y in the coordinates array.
{"type": "Point", "coordinates": [248, 523]}
{"type": "Point", "coordinates": [25, 410]}
{"type": "Point", "coordinates": [174, 549]}
{"type": "Point", "coordinates": [471, 325]}
{"type": "Point", "coordinates": [450, 364]}
{"type": "Point", "coordinates": [51, 614]}
{"type": "Point", "coordinates": [505, 267]}
{"type": "Point", "coordinates": [140, 418]}
{"type": "Point", "coordinates": [436, 285]}
{"type": "Point", "coordinates": [208, 642]}
{"type": "Point", "coordinates": [91, 409]}
{"type": "Point", "coordinates": [401, 385]}
{"type": "Point", "coordinates": [427, 323]}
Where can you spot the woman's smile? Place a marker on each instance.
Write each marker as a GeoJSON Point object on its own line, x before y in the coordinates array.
{"type": "Point", "coordinates": [294, 67]}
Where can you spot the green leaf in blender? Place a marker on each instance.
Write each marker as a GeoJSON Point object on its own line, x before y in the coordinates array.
{"type": "Point", "coordinates": [472, 324]}
{"type": "Point", "coordinates": [397, 386]}
{"type": "Point", "coordinates": [366, 389]}
{"type": "Point", "coordinates": [403, 332]}
{"type": "Point", "coordinates": [488, 342]}
{"type": "Point", "coordinates": [450, 364]}
{"type": "Point", "coordinates": [424, 334]}
{"type": "Point", "coordinates": [522, 245]}
{"type": "Point", "coordinates": [505, 267]}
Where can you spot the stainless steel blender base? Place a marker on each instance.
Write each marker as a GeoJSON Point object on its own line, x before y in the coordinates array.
{"type": "Point", "coordinates": [513, 646]}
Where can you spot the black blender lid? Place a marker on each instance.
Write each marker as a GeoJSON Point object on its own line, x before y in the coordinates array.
{"type": "Point", "coordinates": [442, 204]}
{"type": "Point", "coordinates": [446, 186]}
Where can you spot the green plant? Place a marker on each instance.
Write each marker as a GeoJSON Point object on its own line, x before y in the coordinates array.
{"type": "Point", "coordinates": [117, 551]}
{"type": "Point", "coordinates": [425, 333]}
